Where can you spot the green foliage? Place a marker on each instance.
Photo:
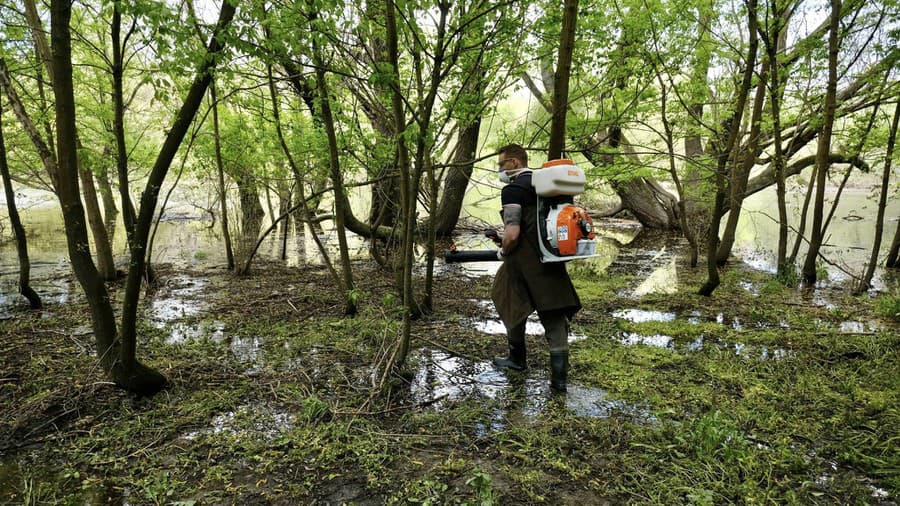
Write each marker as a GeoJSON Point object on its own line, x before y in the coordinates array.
{"type": "Point", "coordinates": [888, 306]}
{"type": "Point", "coordinates": [481, 483]}
{"type": "Point", "coordinates": [314, 409]}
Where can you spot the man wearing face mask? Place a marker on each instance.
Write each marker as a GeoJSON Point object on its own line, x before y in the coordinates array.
{"type": "Point", "coordinates": [523, 284]}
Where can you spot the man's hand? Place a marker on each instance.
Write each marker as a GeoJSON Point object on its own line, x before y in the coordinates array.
{"type": "Point", "coordinates": [493, 236]}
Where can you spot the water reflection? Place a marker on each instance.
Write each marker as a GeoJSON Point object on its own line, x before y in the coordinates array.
{"type": "Point", "coordinates": [664, 279]}
{"type": "Point", "coordinates": [849, 243]}
{"type": "Point", "coordinates": [658, 340]}
{"type": "Point", "coordinates": [441, 379]}
{"type": "Point", "coordinates": [644, 315]}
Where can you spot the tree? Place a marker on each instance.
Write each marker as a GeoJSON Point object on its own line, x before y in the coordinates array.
{"type": "Point", "coordinates": [824, 148]}
{"type": "Point", "coordinates": [124, 368]}
{"type": "Point", "coordinates": [25, 289]}
{"type": "Point", "coordinates": [116, 349]}
{"type": "Point", "coordinates": [865, 283]}
{"type": "Point", "coordinates": [561, 80]}
{"type": "Point", "coordinates": [727, 151]}
{"type": "Point", "coordinates": [102, 243]}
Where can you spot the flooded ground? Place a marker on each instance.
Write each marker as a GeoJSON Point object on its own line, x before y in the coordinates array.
{"type": "Point", "coordinates": [760, 393]}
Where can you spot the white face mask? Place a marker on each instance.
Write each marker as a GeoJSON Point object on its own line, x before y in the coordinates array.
{"type": "Point", "coordinates": [506, 176]}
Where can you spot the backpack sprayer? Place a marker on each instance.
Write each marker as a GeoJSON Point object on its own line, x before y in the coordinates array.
{"type": "Point", "coordinates": [565, 231]}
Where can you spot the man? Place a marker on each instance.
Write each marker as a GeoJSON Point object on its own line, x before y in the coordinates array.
{"type": "Point", "coordinates": [524, 284]}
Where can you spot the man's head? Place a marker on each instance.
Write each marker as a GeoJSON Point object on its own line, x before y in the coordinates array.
{"type": "Point", "coordinates": [512, 157]}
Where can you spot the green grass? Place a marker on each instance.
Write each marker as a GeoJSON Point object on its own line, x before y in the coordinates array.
{"type": "Point", "coordinates": [297, 423]}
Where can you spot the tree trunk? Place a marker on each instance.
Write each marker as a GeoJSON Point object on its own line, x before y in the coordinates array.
{"type": "Point", "coordinates": [129, 215]}
{"type": "Point", "coordinates": [457, 180]}
{"type": "Point", "coordinates": [865, 282]}
{"type": "Point", "coordinates": [824, 147]}
{"type": "Point", "coordinates": [737, 183]}
{"type": "Point", "coordinates": [727, 153]}
{"type": "Point", "coordinates": [124, 368]}
{"type": "Point", "coordinates": [561, 80]}
{"type": "Point", "coordinates": [18, 230]}
{"type": "Point", "coordinates": [775, 39]}
{"type": "Point", "coordinates": [252, 214]}
{"type": "Point", "coordinates": [220, 173]}
{"type": "Point", "coordinates": [155, 180]}
{"type": "Point", "coordinates": [893, 258]}
{"type": "Point", "coordinates": [104, 186]}
{"type": "Point", "coordinates": [407, 192]}
{"type": "Point", "coordinates": [649, 202]}
{"type": "Point", "coordinates": [105, 264]}
{"type": "Point", "coordinates": [337, 180]}
{"type": "Point", "coordinates": [698, 180]}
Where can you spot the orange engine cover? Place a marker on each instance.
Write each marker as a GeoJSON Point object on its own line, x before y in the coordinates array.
{"type": "Point", "coordinates": [572, 224]}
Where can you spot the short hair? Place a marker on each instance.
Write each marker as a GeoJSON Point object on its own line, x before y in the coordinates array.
{"type": "Point", "coordinates": [515, 151]}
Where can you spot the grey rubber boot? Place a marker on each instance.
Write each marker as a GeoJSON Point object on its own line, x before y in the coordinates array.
{"type": "Point", "coordinates": [516, 358]}
{"type": "Point", "coordinates": [559, 370]}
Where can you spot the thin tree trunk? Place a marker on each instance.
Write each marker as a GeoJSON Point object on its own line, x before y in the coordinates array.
{"type": "Point", "coordinates": [220, 174]}
{"type": "Point", "coordinates": [105, 264]}
{"type": "Point", "coordinates": [804, 213]}
{"type": "Point", "coordinates": [780, 16]}
{"type": "Point", "coordinates": [561, 80]}
{"type": "Point", "coordinates": [129, 215]}
{"type": "Point", "coordinates": [893, 258]}
{"type": "Point", "coordinates": [301, 204]}
{"type": "Point", "coordinates": [110, 211]}
{"type": "Point", "coordinates": [866, 281]}
{"type": "Point", "coordinates": [737, 183]}
{"type": "Point", "coordinates": [18, 230]}
{"type": "Point", "coordinates": [48, 158]}
{"type": "Point", "coordinates": [156, 178]}
{"type": "Point", "coordinates": [337, 180]}
{"type": "Point", "coordinates": [824, 147]}
{"type": "Point", "coordinates": [696, 181]}
{"type": "Point", "coordinates": [124, 369]}
{"type": "Point", "coordinates": [670, 148]}
{"type": "Point", "coordinates": [407, 195]}
{"type": "Point", "coordinates": [727, 153]}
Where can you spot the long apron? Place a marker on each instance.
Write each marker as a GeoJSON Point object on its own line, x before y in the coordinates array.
{"type": "Point", "coordinates": [524, 285]}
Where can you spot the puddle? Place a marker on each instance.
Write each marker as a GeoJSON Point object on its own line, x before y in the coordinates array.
{"type": "Point", "coordinates": [247, 350]}
{"type": "Point", "coordinates": [259, 421]}
{"type": "Point", "coordinates": [761, 353]}
{"type": "Point", "coordinates": [663, 280]}
{"type": "Point", "coordinates": [180, 333]}
{"type": "Point", "coordinates": [644, 315]}
{"type": "Point", "coordinates": [658, 340]}
{"type": "Point", "coordinates": [854, 327]}
{"type": "Point", "coordinates": [11, 301]}
{"type": "Point", "coordinates": [180, 298]}
{"type": "Point", "coordinates": [496, 327]}
{"type": "Point", "coordinates": [448, 378]}
{"type": "Point", "coordinates": [749, 287]}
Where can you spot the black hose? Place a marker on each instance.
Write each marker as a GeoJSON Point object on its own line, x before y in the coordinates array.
{"type": "Point", "coordinates": [485, 255]}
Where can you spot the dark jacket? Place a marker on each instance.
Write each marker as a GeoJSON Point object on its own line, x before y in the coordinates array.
{"type": "Point", "coordinates": [524, 284]}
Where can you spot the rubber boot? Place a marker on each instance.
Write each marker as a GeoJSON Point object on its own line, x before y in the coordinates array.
{"type": "Point", "coordinates": [559, 370]}
{"type": "Point", "coordinates": [516, 358]}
